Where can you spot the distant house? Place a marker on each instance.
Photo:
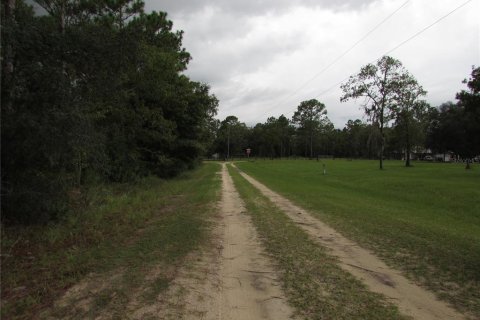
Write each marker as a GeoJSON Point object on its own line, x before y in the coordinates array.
{"type": "Point", "coordinates": [444, 157]}
{"type": "Point", "coordinates": [417, 153]}
{"type": "Point", "coordinates": [428, 155]}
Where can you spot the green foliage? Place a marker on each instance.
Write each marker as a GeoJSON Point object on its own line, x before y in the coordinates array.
{"type": "Point", "coordinates": [231, 137]}
{"type": "Point", "coordinates": [93, 90]}
{"type": "Point", "coordinates": [469, 105]}
{"type": "Point", "coordinates": [409, 110]}
{"type": "Point", "coordinates": [357, 136]}
{"type": "Point", "coordinates": [274, 138]}
{"type": "Point", "coordinates": [311, 117]}
{"type": "Point", "coordinates": [456, 127]}
{"type": "Point", "coordinates": [379, 85]}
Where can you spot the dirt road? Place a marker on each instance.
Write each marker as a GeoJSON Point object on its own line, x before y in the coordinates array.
{"type": "Point", "coordinates": [250, 289]}
{"type": "Point", "coordinates": [237, 282]}
{"type": "Point", "coordinates": [228, 277]}
{"type": "Point", "coordinates": [411, 299]}
{"type": "Point", "coordinates": [231, 276]}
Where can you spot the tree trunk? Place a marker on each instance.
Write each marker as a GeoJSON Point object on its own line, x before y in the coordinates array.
{"type": "Point", "coordinates": [382, 143]}
{"type": "Point", "coordinates": [382, 112]}
{"type": "Point", "coordinates": [8, 67]}
{"type": "Point", "coordinates": [311, 146]}
{"type": "Point", "coordinates": [228, 143]}
{"type": "Point", "coordinates": [407, 156]}
{"type": "Point", "coordinates": [10, 19]}
{"type": "Point", "coordinates": [306, 147]}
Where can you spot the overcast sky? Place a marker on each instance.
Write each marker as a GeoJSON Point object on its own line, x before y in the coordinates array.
{"type": "Point", "coordinates": [259, 55]}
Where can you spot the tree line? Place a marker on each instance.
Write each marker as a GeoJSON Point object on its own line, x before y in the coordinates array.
{"type": "Point", "coordinates": [93, 91]}
{"type": "Point", "coordinates": [399, 122]}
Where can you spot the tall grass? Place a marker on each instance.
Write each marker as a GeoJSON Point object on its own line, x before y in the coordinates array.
{"type": "Point", "coordinates": [127, 226]}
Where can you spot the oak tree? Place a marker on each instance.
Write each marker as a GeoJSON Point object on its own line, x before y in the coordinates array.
{"type": "Point", "coordinates": [378, 85]}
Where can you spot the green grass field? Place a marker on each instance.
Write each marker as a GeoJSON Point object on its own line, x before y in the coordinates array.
{"type": "Point", "coordinates": [424, 220]}
{"type": "Point", "coordinates": [311, 278]}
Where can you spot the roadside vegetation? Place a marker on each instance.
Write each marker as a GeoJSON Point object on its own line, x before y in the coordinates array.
{"type": "Point", "coordinates": [312, 280]}
{"type": "Point", "coordinates": [93, 91]}
{"type": "Point", "coordinates": [424, 220]}
{"type": "Point", "coordinates": [124, 232]}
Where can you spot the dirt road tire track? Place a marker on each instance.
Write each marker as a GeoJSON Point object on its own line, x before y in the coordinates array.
{"type": "Point", "coordinates": [239, 281]}
{"type": "Point", "coordinates": [230, 277]}
{"type": "Point", "coordinates": [411, 299]}
{"type": "Point", "coordinates": [250, 289]}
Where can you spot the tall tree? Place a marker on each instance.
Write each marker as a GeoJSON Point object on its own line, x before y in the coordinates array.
{"type": "Point", "coordinates": [409, 109]}
{"type": "Point", "coordinates": [378, 85]}
{"type": "Point", "coordinates": [357, 136]}
{"type": "Point", "coordinates": [456, 126]}
{"type": "Point", "coordinates": [285, 132]}
{"type": "Point", "coordinates": [232, 137]}
{"type": "Point", "coordinates": [95, 90]}
{"type": "Point", "coordinates": [469, 104]}
{"type": "Point", "coordinates": [444, 131]}
{"type": "Point", "coordinates": [310, 117]}
{"type": "Point", "coordinates": [257, 141]}
{"type": "Point", "coordinates": [272, 138]}
{"type": "Point", "coordinates": [276, 136]}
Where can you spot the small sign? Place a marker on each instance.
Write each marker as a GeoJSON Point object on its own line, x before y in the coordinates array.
{"type": "Point", "coordinates": [248, 152]}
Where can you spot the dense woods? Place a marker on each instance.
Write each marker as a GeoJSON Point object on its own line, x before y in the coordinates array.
{"type": "Point", "coordinates": [93, 91]}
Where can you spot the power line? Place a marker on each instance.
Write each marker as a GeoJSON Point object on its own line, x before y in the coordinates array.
{"type": "Point", "coordinates": [427, 27]}
{"type": "Point", "coordinates": [402, 43]}
{"type": "Point", "coordinates": [341, 55]}
{"type": "Point", "coordinates": [353, 46]}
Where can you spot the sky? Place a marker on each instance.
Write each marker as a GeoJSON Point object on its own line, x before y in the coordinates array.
{"type": "Point", "coordinates": [261, 58]}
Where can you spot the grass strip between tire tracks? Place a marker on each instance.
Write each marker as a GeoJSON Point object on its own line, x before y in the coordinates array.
{"type": "Point", "coordinates": [312, 280]}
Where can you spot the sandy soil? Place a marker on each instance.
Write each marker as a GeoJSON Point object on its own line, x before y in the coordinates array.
{"type": "Point", "coordinates": [240, 283]}
{"type": "Point", "coordinates": [411, 299]}
{"type": "Point", "coordinates": [229, 278]}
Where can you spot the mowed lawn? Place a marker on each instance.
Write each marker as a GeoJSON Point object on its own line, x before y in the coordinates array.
{"type": "Point", "coordinates": [424, 220]}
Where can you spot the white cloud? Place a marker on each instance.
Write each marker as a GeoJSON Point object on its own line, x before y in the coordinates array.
{"type": "Point", "coordinates": [256, 54]}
